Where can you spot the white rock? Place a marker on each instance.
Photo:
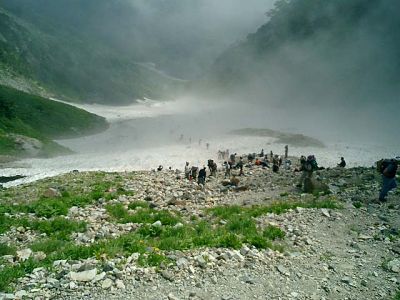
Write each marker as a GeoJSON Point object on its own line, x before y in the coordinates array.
{"type": "Point", "coordinates": [20, 294]}
{"type": "Point", "coordinates": [120, 284]}
{"type": "Point", "coordinates": [394, 265]}
{"type": "Point", "coordinates": [182, 262]}
{"type": "Point", "coordinates": [325, 212]}
{"type": "Point", "coordinates": [99, 277]}
{"type": "Point", "coordinates": [72, 285]}
{"type": "Point", "coordinates": [157, 224]}
{"type": "Point", "coordinates": [106, 284]}
{"type": "Point", "coordinates": [24, 254]}
{"type": "Point", "coordinates": [84, 276]}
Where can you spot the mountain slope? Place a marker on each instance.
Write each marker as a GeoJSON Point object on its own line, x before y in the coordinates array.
{"type": "Point", "coordinates": [70, 63]}
{"type": "Point", "coordinates": [28, 123]}
{"type": "Point", "coordinates": [314, 51]}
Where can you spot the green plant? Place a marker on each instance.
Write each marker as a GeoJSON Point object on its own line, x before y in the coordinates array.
{"type": "Point", "coordinates": [135, 204]}
{"type": "Point", "coordinates": [6, 249]}
{"type": "Point", "coordinates": [272, 233]}
{"type": "Point", "coordinates": [49, 207]}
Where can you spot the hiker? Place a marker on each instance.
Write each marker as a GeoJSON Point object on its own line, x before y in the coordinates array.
{"type": "Point", "coordinates": [251, 157]}
{"type": "Point", "coordinates": [275, 166]}
{"type": "Point", "coordinates": [280, 161]}
{"type": "Point", "coordinates": [342, 163]}
{"type": "Point", "coordinates": [262, 153]}
{"type": "Point", "coordinates": [227, 168]}
{"type": "Point", "coordinates": [286, 151]}
{"type": "Point", "coordinates": [187, 170]}
{"type": "Point", "coordinates": [240, 166]}
{"type": "Point", "coordinates": [208, 146]}
{"type": "Point", "coordinates": [271, 155]}
{"type": "Point", "coordinates": [233, 158]}
{"type": "Point", "coordinates": [388, 169]}
{"type": "Point", "coordinates": [308, 166]}
{"type": "Point", "coordinates": [193, 172]}
{"type": "Point", "coordinates": [214, 167]}
{"type": "Point", "coordinates": [258, 162]}
{"type": "Point", "coordinates": [202, 176]}
{"type": "Point", "coordinates": [288, 164]}
{"type": "Point", "coordinates": [160, 167]}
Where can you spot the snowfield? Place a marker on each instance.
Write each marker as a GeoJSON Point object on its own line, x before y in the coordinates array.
{"type": "Point", "coordinates": [146, 135]}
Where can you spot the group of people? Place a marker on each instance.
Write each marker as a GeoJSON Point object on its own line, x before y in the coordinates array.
{"type": "Point", "coordinates": [387, 167]}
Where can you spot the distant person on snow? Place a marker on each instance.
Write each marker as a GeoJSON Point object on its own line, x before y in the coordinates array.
{"type": "Point", "coordinates": [202, 176]}
{"type": "Point", "coordinates": [388, 169]}
{"type": "Point", "coordinates": [342, 163]}
{"type": "Point", "coordinates": [286, 151]}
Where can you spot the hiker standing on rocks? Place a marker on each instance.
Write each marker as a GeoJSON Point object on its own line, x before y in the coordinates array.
{"type": "Point", "coordinates": [262, 153]}
{"type": "Point", "coordinates": [388, 169]}
{"type": "Point", "coordinates": [308, 166]}
{"type": "Point", "coordinates": [193, 172]}
{"type": "Point", "coordinates": [233, 159]}
{"type": "Point", "coordinates": [286, 151]}
{"type": "Point", "coordinates": [240, 165]}
{"type": "Point", "coordinates": [187, 170]}
{"type": "Point", "coordinates": [202, 176]}
{"type": "Point", "coordinates": [342, 163]}
{"type": "Point", "coordinates": [227, 168]}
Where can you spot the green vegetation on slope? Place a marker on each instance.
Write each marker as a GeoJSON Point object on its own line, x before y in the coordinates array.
{"type": "Point", "coordinates": [28, 123]}
{"type": "Point", "coordinates": [68, 60]}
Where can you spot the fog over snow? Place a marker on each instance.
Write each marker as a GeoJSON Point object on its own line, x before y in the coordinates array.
{"type": "Point", "coordinates": [146, 135]}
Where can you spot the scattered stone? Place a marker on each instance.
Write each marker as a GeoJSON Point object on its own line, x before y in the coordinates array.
{"type": "Point", "coordinates": [24, 254]}
{"type": "Point", "coordinates": [172, 297]}
{"type": "Point", "coordinates": [52, 193]}
{"type": "Point", "coordinates": [157, 224]}
{"type": "Point", "coordinates": [84, 276]}
{"type": "Point", "coordinates": [167, 275]}
{"type": "Point", "coordinates": [346, 280]}
{"type": "Point", "coordinates": [283, 270]}
{"type": "Point", "coordinates": [120, 284]}
{"type": "Point", "coordinates": [325, 212]}
{"type": "Point", "coordinates": [394, 265]}
{"type": "Point", "coordinates": [106, 284]}
{"type": "Point", "coordinates": [20, 294]}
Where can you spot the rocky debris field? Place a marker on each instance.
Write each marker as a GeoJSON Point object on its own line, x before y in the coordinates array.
{"type": "Point", "coordinates": [156, 235]}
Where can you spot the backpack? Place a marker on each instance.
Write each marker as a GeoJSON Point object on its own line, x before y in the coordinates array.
{"type": "Point", "coordinates": [387, 167]}
{"type": "Point", "coordinates": [311, 163]}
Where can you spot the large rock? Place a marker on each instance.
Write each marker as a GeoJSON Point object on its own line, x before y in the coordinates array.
{"type": "Point", "coordinates": [24, 254]}
{"type": "Point", "coordinates": [52, 193]}
{"type": "Point", "coordinates": [84, 276]}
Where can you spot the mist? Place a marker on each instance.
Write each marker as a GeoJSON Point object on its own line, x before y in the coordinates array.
{"type": "Point", "coordinates": [326, 69]}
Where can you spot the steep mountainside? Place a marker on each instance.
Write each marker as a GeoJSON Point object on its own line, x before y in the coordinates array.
{"type": "Point", "coordinates": [317, 51]}
{"type": "Point", "coordinates": [28, 123]}
{"type": "Point", "coordinates": [69, 62]}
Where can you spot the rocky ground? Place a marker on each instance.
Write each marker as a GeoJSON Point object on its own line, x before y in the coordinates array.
{"type": "Point", "coordinates": [351, 252]}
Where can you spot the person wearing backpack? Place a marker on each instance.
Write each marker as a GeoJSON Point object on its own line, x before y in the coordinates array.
{"type": "Point", "coordinates": [388, 169]}
{"type": "Point", "coordinates": [308, 166]}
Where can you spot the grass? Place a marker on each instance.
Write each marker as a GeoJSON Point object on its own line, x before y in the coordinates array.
{"type": "Point", "coordinates": [6, 249]}
{"type": "Point", "coordinates": [397, 296]}
{"type": "Point", "coordinates": [146, 215]}
{"type": "Point", "coordinates": [152, 241]}
{"type": "Point", "coordinates": [135, 204]}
